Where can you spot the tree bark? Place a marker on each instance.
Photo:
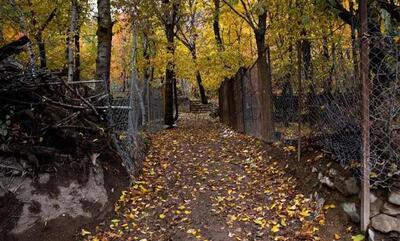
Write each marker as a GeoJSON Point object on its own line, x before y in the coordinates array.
{"type": "Point", "coordinates": [169, 78]}
{"type": "Point", "coordinates": [40, 41]}
{"type": "Point", "coordinates": [1, 37]}
{"type": "Point", "coordinates": [199, 80]}
{"type": "Point", "coordinates": [307, 63]}
{"type": "Point", "coordinates": [77, 72]}
{"type": "Point", "coordinates": [136, 94]}
{"type": "Point", "coordinates": [146, 75]}
{"type": "Point", "coordinates": [265, 80]}
{"type": "Point", "coordinates": [216, 26]}
{"type": "Point", "coordinates": [176, 101]}
{"type": "Point", "coordinates": [42, 50]}
{"type": "Point", "coordinates": [354, 49]}
{"type": "Point", "coordinates": [169, 25]}
{"type": "Point", "coordinates": [71, 47]}
{"type": "Point", "coordinates": [14, 47]}
{"type": "Point", "coordinates": [104, 42]}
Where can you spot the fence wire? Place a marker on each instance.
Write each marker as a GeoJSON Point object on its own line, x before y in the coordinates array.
{"type": "Point", "coordinates": [127, 116]}
{"type": "Point", "coordinates": [130, 105]}
{"type": "Point", "coordinates": [318, 87]}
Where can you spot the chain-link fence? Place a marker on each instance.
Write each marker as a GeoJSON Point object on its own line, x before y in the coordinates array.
{"type": "Point", "coordinates": [317, 95]}
{"type": "Point", "coordinates": [129, 111]}
{"type": "Point", "coordinates": [128, 105]}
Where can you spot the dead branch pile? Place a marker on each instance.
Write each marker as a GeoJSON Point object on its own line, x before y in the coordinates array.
{"type": "Point", "coordinates": [44, 120]}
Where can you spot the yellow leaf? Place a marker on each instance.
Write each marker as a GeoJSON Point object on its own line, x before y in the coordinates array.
{"type": "Point", "coordinates": [331, 206]}
{"type": "Point", "coordinates": [337, 236]}
{"type": "Point", "coordinates": [143, 190]}
{"type": "Point", "coordinates": [374, 175]}
{"type": "Point", "coordinates": [261, 222]}
{"type": "Point", "coordinates": [305, 213]}
{"type": "Point", "coordinates": [84, 232]}
{"type": "Point", "coordinates": [162, 216]}
{"type": "Point", "coordinates": [192, 231]}
{"type": "Point", "coordinates": [359, 237]}
{"type": "Point", "coordinates": [275, 228]}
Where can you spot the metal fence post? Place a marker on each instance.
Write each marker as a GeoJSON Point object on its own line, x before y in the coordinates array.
{"type": "Point", "coordinates": [364, 74]}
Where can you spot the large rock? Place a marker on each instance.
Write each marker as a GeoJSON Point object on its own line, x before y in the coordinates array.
{"type": "Point", "coordinates": [390, 209]}
{"type": "Point", "coordinates": [372, 197]}
{"type": "Point", "coordinates": [351, 210]}
{"type": "Point", "coordinates": [394, 198]}
{"type": "Point", "coordinates": [44, 178]}
{"type": "Point", "coordinates": [376, 207]}
{"type": "Point", "coordinates": [371, 235]}
{"type": "Point", "coordinates": [325, 180]}
{"type": "Point", "coordinates": [351, 186]}
{"type": "Point", "coordinates": [385, 223]}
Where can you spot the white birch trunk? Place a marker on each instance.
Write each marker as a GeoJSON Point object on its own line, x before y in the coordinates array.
{"type": "Point", "coordinates": [22, 24]}
{"type": "Point", "coordinates": [134, 77]}
{"type": "Point", "coordinates": [71, 46]}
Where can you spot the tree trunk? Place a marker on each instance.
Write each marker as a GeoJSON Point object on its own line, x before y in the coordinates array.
{"type": "Point", "coordinates": [354, 49]}
{"type": "Point", "coordinates": [202, 91]}
{"type": "Point", "coordinates": [169, 78]}
{"type": "Point", "coordinates": [42, 50]}
{"type": "Point", "coordinates": [216, 27]}
{"type": "Point", "coordinates": [14, 47]}
{"type": "Point", "coordinates": [1, 37]}
{"type": "Point", "coordinates": [72, 32]}
{"type": "Point", "coordinates": [146, 75]}
{"type": "Point", "coordinates": [77, 72]}
{"type": "Point", "coordinates": [136, 94]}
{"type": "Point", "coordinates": [265, 81]}
{"type": "Point", "coordinates": [104, 42]}
{"type": "Point", "coordinates": [307, 64]}
{"type": "Point", "coordinates": [39, 38]}
{"type": "Point", "coordinates": [169, 24]}
{"type": "Point", "coordinates": [327, 57]}
{"type": "Point", "coordinates": [176, 101]}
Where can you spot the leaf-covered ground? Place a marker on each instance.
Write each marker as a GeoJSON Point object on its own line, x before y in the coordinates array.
{"type": "Point", "coordinates": [202, 181]}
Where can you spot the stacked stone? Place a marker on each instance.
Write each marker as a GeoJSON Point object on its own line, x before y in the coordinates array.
{"type": "Point", "coordinates": [386, 214]}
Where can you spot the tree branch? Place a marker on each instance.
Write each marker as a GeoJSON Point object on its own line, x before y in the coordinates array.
{"type": "Point", "coordinates": [240, 15]}
{"type": "Point", "coordinates": [344, 14]}
{"type": "Point", "coordinates": [48, 20]}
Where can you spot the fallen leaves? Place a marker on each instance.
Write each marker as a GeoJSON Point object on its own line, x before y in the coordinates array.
{"type": "Point", "coordinates": [200, 181]}
{"type": "Point", "coordinates": [275, 228]}
{"type": "Point", "coordinates": [359, 237]}
{"type": "Point", "coordinates": [85, 232]}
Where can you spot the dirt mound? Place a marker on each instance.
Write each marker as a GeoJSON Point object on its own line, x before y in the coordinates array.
{"type": "Point", "coordinates": [56, 206]}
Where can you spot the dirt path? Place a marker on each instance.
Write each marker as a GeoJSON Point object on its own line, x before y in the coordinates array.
{"type": "Point", "coordinates": [202, 181]}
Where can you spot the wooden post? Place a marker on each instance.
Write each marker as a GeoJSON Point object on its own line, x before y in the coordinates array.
{"type": "Point", "coordinates": [364, 74]}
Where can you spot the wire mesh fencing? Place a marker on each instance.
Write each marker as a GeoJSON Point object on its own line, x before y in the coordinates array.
{"type": "Point", "coordinates": [317, 96]}
{"type": "Point", "coordinates": [130, 110]}
{"type": "Point", "coordinates": [128, 105]}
